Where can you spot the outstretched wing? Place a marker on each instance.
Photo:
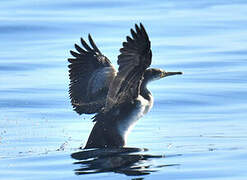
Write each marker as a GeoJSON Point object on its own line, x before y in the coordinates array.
{"type": "Point", "coordinates": [134, 59]}
{"type": "Point", "coordinates": [90, 75]}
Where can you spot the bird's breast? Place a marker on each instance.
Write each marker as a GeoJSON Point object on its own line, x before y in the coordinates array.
{"type": "Point", "coordinates": [140, 107]}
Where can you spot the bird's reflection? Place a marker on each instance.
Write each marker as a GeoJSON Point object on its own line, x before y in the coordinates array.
{"type": "Point", "coordinates": [128, 161]}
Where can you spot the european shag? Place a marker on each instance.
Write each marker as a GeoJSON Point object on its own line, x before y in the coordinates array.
{"type": "Point", "coordinates": [119, 98]}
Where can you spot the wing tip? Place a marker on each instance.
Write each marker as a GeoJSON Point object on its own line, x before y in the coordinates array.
{"type": "Point", "coordinates": [139, 31]}
{"type": "Point", "coordinates": [73, 53]}
{"type": "Point", "coordinates": [71, 60]}
{"type": "Point", "coordinates": [93, 45]}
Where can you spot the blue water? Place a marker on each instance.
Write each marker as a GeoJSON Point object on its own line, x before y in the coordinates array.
{"type": "Point", "coordinates": [198, 121]}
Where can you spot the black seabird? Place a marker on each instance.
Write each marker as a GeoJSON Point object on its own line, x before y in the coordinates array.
{"type": "Point", "coordinates": [120, 98]}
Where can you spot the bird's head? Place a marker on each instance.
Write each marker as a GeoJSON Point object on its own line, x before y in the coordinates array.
{"type": "Point", "coordinates": [155, 74]}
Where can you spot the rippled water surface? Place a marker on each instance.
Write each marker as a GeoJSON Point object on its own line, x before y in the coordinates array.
{"type": "Point", "coordinates": [197, 127]}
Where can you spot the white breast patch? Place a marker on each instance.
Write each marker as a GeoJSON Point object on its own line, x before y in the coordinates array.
{"type": "Point", "coordinates": [142, 107]}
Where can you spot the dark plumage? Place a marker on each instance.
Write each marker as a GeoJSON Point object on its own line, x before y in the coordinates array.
{"type": "Point", "coordinates": [90, 76]}
{"type": "Point", "coordinates": [119, 98]}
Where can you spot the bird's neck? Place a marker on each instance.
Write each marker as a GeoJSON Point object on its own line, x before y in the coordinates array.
{"type": "Point", "coordinates": [144, 90]}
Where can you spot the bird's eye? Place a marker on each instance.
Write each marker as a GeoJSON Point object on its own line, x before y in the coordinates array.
{"type": "Point", "coordinates": [162, 74]}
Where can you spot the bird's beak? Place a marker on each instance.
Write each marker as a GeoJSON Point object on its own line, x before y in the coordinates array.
{"type": "Point", "coordinates": [164, 74]}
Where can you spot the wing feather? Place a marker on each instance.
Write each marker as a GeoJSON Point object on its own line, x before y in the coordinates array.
{"type": "Point", "coordinates": [90, 75]}
{"type": "Point", "coordinates": [134, 59]}
{"type": "Point", "coordinates": [93, 44]}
